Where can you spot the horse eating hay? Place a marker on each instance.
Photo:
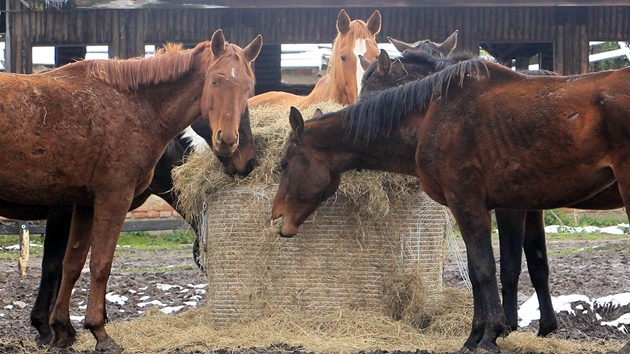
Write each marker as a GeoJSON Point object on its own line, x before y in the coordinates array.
{"type": "Point", "coordinates": [471, 156]}
{"type": "Point", "coordinates": [90, 133]}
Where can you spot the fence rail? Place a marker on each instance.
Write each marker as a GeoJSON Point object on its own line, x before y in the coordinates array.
{"type": "Point", "coordinates": [15, 227]}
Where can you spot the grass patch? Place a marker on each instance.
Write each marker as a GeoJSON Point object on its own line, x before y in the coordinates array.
{"type": "Point", "coordinates": [145, 240]}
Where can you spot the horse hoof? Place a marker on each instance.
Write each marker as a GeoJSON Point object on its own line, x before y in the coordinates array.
{"type": "Point", "coordinates": [44, 339]}
{"type": "Point", "coordinates": [65, 343]}
{"type": "Point", "coordinates": [108, 346]}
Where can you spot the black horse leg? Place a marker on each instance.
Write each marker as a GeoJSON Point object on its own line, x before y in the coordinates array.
{"type": "Point", "coordinates": [194, 224]}
{"type": "Point", "coordinates": [511, 225]}
{"type": "Point", "coordinates": [478, 325]}
{"type": "Point", "coordinates": [538, 266]}
{"type": "Point", "coordinates": [55, 242]}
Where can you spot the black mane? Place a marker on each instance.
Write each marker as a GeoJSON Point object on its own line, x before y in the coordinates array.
{"type": "Point", "coordinates": [378, 114]}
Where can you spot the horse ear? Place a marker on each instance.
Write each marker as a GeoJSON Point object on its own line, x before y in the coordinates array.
{"type": "Point", "coordinates": [399, 45]}
{"type": "Point", "coordinates": [217, 43]}
{"type": "Point", "coordinates": [343, 22]}
{"type": "Point", "coordinates": [384, 63]}
{"type": "Point", "coordinates": [253, 49]}
{"type": "Point", "coordinates": [318, 112]}
{"type": "Point", "coordinates": [447, 47]}
{"type": "Point", "coordinates": [365, 64]}
{"type": "Point", "coordinates": [297, 123]}
{"type": "Point", "coordinates": [374, 23]}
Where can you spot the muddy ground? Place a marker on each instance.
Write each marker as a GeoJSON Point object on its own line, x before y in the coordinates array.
{"type": "Point", "coordinates": [592, 268]}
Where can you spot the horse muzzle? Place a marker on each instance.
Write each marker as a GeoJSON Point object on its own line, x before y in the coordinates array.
{"type": "Point", "coordinates": [225, 144]}
{"type": "Point", "coordinates": [287, 229]}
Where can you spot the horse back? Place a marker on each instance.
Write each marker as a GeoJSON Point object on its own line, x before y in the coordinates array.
{"type": "Point", "coordinates": [60, 129]}
{"type": "Point", "coordinates": [531, 133]}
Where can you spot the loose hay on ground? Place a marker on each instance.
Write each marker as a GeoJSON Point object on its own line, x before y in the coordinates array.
{"type": "Point", "coordinates": [345, 332]}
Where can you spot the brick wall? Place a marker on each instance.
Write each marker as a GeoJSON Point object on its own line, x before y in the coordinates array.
{"type": "Point", "coordinates": [153, 208]}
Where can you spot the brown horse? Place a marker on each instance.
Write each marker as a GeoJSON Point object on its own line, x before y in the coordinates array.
{"type": "Point", "coordinates": [518, 229]}
{"type": "Point", "coordinates": [342, 82]}
{"type": "Point", "coordinates": [487, 137]}
{"type": "Point", "coordinates": [91, 132]}
{"type": "Point", "coordinates": [59, 217]}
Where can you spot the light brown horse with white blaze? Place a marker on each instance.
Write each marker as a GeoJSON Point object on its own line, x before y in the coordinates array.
{"type": "Point", "coordinates": [90, 134]}
{"type": "Point", "coordinates": [342, 82]}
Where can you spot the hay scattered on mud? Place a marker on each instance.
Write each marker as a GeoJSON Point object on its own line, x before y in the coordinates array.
{"type": "Point", "coordinates": [201, 175]}
{"type": "Point", "coordinates": [345, 332]}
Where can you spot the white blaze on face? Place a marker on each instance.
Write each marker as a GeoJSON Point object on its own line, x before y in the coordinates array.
{"type": "Point", "coordinates": [360, 48]}
{"type": "Point", "coordinates": [234, 73]}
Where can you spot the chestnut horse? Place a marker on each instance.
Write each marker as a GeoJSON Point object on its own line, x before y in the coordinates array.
{"type": "Point", "coordinates": [342, 82]}
{"type": "Point", "coordinates": [90, 134]}
{"type": "Point", "coordinates": [487, 137]}
{"type": "Point", "coordinates": [58, 224]}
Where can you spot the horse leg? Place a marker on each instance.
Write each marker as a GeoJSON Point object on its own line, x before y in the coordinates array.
{"type": "Point", "coordinates": [538, 267]}
{"type": "Point", "coordinates": [478, 323]}
{"type": "Point", "coordinates": [171, 199]}
{"type": "Point", "coordinates": [511, 225]}
{"type": "Point", "coordinates": [197, 245]}
{"type": "Point", "coordinates": [55, 243]}
{"type": "Point", "coordinates": [109, 215]}
{"type": "Point", "coordinates": [73, 261]}
{"type": "Point", "coordinates": [474, 221]}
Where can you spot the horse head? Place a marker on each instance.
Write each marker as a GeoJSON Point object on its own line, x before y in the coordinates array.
{"type": "Point", "coordinates": [354, 38]}
{"type": "Point", "coordinates": [439, 50]}
{"type": "Point", "coordinates": [242, 161]}
{"type": "Point", "coordinates": [294, 202]}
{"type": "Point", "coordinates": [229, 81]}
{"type": "Point", "coordinates": [410, 66]}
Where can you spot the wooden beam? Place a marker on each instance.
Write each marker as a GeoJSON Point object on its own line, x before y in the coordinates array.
{"type": "Point", "coordinates": [284, 4]}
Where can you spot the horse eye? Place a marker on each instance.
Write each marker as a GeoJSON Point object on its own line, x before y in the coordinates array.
{"type": "Point", "coordinates": [215, 83]}
{"type": "Point", "coordinates": [344, 58]}
{"type": "Point", "coordinates": [284, 164]}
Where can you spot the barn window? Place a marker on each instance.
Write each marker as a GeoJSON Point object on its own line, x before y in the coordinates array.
{"type": "Point", "coordinates": [608, 55]}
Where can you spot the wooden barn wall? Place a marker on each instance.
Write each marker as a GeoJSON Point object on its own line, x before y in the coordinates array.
{"type": "Point", "coordinates": [127, 31]}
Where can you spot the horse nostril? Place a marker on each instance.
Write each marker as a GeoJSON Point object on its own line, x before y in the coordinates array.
{"type": "Point", "coordinates": [219, 136]}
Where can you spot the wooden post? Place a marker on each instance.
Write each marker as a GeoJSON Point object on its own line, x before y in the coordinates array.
{"type": "Point", "coordinates": [24, 245]}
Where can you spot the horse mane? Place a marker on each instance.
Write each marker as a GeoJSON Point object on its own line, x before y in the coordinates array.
{"type": "Point", "coordinates": [167, 65]}
{"type": "Point", "coordinates": [379, 114]}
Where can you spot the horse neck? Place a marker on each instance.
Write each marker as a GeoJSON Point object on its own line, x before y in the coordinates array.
{"type": "Point", "coordinates": [176, 103]}
{"type": "Point", "coordinates": [394, 153]}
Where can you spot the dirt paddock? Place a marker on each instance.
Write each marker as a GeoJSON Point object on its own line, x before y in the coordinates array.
{"type": "Point", "coordinates": [168, 280]}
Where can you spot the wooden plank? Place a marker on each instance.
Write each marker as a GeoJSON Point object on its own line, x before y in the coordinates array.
{"type": "Point", "coordinates": [280, 4]}
{"type": "Point", "coordinates": [14, 228]}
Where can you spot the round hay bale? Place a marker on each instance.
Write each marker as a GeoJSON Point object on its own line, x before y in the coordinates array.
{"type": "Point", "coordinates": [339, 260]}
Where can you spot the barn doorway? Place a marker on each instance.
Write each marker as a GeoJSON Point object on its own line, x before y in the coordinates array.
{"type": "Point", "coordinates": [522, 56]}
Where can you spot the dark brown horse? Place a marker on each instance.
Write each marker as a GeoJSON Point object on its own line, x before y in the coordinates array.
{"type": "Point", "coordinates": [90, 134]}
{"type": "Point", "coordinates": [518, 229]}
{"type": "Point", "coordinates": [494, 139]}
{"type": "Point", "coordinates": [438, 50]}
